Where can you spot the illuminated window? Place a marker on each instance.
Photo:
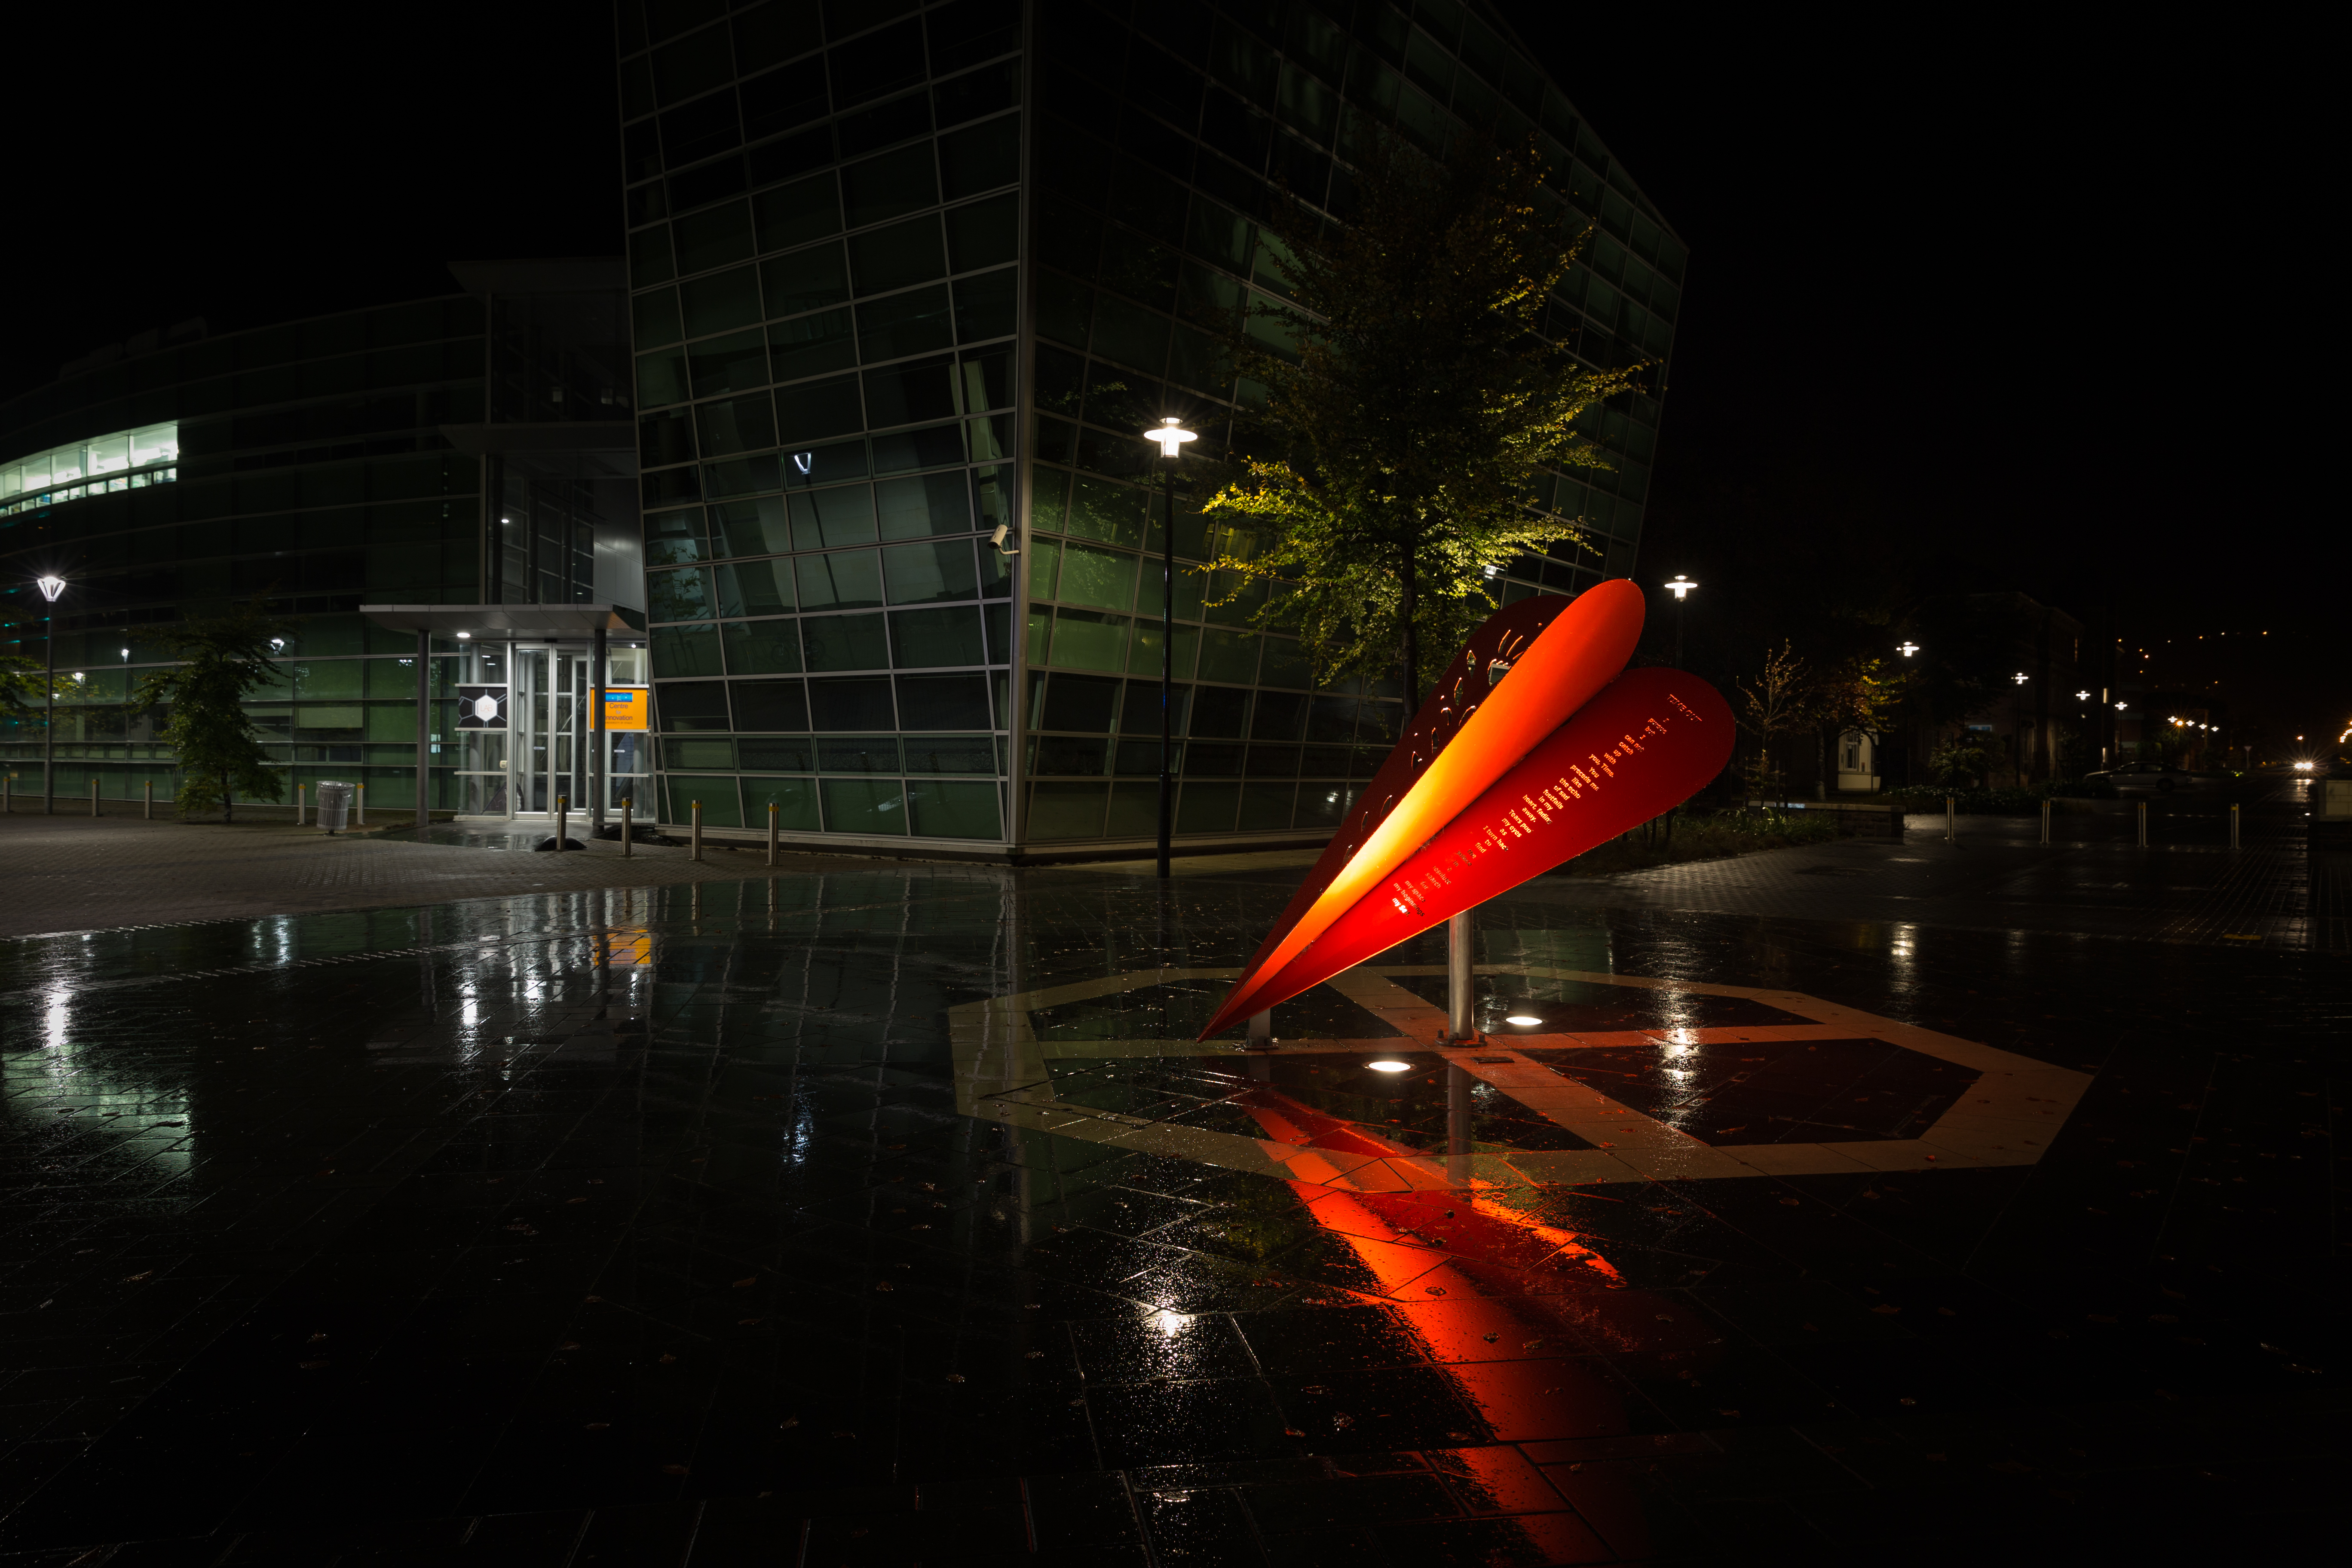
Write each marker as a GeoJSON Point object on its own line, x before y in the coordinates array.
{"type": "Point", "coordinates": [124, 460]}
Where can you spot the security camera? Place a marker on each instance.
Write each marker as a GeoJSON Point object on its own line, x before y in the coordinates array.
{"type": "Point", "coordinates": [998, 537]}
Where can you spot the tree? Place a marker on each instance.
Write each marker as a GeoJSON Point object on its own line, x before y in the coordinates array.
{"type": "Point", "coordinates": [224, 661]}
{"type": "Point", "coordinates": [20, 679]}
{"type": "Point", "coordinates": [1782, 699]}
{"type": "Point", "coordinates": [1858, 693]}
{"type": "Point", "coordinates": [1411, 408]}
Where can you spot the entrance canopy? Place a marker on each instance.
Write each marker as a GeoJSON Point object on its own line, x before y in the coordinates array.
{"type": "Point", "coordinates": [522, 622]}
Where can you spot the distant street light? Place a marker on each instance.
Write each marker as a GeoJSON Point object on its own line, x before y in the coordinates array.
{"type": "Point", "coordinates": [1681, 588]}
{"type": "Point", "coordinates": [1907, 649]}
{"type": "Point", "coordinates": [2082, 697]}
{"type": "Point", "coordinates": [1171, 437]}
{"type": "Point", "coordinates": [2019, 677]}
{"type": "Point", "coordinates": [50, 587]}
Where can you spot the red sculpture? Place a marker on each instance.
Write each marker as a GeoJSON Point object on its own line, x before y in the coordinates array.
{"type": "Point", "coordinates": [1527, 755]}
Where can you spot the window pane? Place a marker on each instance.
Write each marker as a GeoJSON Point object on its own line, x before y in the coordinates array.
{"type": "Point", "coordinates": [736, 424]}
{"type": "Point", "coordinates": [911, 393]}
{"type": "Point", "coordinates": [904, 324]}
{"type": "Point", "coordinates": [735, 364]}
{"type": "Point", "coordinates": [679, 595]}
{"type": "Point", "coordinates": [985, 306]}
{"type": "Point", "coordinates": [788, 214]}
{"type": "Point", "coordinates": [691, 705]}
{"type": "Point", "coordinates": [721, 301]}
{"type": "Point", "coordinates": [947, 753]}
{"type": "Point", "coordinates": [927, 639]}
{"type": "Point", "coordinates": [770, 704]}
{"type": "Point", "coordinates": [804, 280]}
{"type": "Point", "coordinates": [893, 258]}
{"type": "Point", "coordinates": [864, 805]}
{"type": "Point", "coordinates": [982, 158]}
{"type": "Point", "coordinates": [954, 809]}
{"type": "Point", "coordinates": [846, 642]}
{"type": "Point", "coordinates": [863, 703]}
{"type": "Point", "coordinates": [673, 538]}
{"type": "Point", "coordinates": [1093, 575]}
{"type": "Point", "coordinates": [755, 588]}
{"type": "Point", "coordinates": [661, 378]}
{"type": "Point", "coordinates": [844, 515]}
{"type": "Point", "coordinates": [945, 702]}
{"type": "Point", "coordinates": [1068, 810]}
{"type": "Point", "coordinates": [762, 647]}
{"type": "Point", "coordinates": [916, 508]}
{"type": "Point", "coordinates": [817, 409]}
{"type": "Point", "coordinates": [812, 345]}
{"type": "Point", "coordinates": [770, 755]}
{"type": "Point", "coordinates": [713, 238]}
{"type": "Point", "coordinates": [795, 799]}
{"type": "Point", "coordinates": [750, 528]}
{"type": "Point", "coordinates": [883, 187]}
{"type": "Point", "coordinates": [923, 573]}
{"type": "Point", "coordinates": [654, 317]}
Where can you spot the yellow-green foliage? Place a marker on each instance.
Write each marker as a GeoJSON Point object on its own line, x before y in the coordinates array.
{"type": "Point", "coordinates": [1411, 408]}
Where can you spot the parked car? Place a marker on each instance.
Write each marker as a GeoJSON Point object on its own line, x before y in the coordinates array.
{"type": "Point", "coordinates": [2155, 778]}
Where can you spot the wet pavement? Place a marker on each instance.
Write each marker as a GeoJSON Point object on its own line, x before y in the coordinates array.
{"type": "Point", "coordinates": [890, 1214]}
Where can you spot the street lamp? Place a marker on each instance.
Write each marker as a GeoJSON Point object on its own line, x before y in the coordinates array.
{"type": "Point", "coordinates": [1907, 649]}
{"type": "Point", "coordinates": [2019, 677]}
{"type": "Point", "coordinates": [2082, 697]}
{"type": "Point", "coordinates": [1681, 588]}
{"type": "Point", "coordinates": [50, 587]}
{"type": "Point", "coordinates": [1170, 436]}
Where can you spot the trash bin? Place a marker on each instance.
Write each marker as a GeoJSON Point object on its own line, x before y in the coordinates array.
{"type": "Point", "coordinates": [335, 806]}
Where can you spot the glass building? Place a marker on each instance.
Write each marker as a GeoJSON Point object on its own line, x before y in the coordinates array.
{"type": "Point", "coordinates": [476, 451]}
{"type": "Point", "coordinates": [903, 274]}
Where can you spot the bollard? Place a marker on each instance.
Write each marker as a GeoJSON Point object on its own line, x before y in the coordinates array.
{"type": "Point", "coordinates": [771, 835]}
{"type": "Point", "coordinates": [147, 809]}
{"type": "Point", "coordinates": [697, 831]}
{"type": "Point", "coordinates": [93, 797]}
{"type": "Point", "coordinates": [359, 803]}
{"type": "Point", "coordinates": [2045, 822]}
{"type": "Point", "coordinates": [297, 804]}
{"type": "Point", "coordinates": [2143, 825]}
{"type": "Point", "coordinates": [7, 792]}
{"type": "Point", "coordinates": [1261, 1031]}
{"type": "Point", "coordinates": [627, 836]}
{"type": "Point", "coordinates": [562, 819]}
{"type": "Point", "coordinates": [1951, 821]}
{"type": "Point", "coordinates": [2233, 826]}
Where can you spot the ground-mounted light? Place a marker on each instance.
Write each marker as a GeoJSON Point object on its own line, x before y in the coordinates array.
{"type": "Point", "coordinates": [1522, 1020]}
{"type": "Point", "coordinates": [1390, 1067]}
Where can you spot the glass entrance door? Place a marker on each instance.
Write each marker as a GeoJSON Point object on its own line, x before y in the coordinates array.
{"type": "Point", "coordinates": [549, 717]}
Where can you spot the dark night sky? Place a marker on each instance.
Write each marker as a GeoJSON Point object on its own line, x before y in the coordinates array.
{"type": "Point", "coordinates": [2016, 302]}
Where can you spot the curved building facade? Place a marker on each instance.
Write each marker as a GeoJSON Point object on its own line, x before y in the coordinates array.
{"type": "Point", "coordinates": [448, 451]}
{"type": "Point", "coordinates": [903, 273]}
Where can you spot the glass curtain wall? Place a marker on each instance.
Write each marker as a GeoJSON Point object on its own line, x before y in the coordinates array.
{"type": "Point", "coordinates": [1163, 133]}
{"type": "Point", "coordinates": [840, 214]}
{"type": "Point", "coordinates": [826, 219]}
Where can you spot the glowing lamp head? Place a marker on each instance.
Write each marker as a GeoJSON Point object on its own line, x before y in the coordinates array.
{"type": "Point", "coordinates": [2019, 677]}
{"type": "Point", "coordinates": [1390, 1067]}
{"type": "Point", "coordinates": [1680, 587]}
{"type": "Point", "coordinates": [462, 637]}
{"type": "Point", "coordinates": [2082, 697]}
{"type": "Point", "coordinates": [1171, 436]}
{"type": "Point", "coordinates": [1907, 649]}
{"type": "Point", "coordinates": [1523, 1020]}
{"type": "Point", "coordinates": [50, 587]}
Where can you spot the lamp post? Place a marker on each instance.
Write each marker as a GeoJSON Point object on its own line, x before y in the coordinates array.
{"type": "Point", "coordinates": [1171, 434]}
{"type": "Point", "coordinates": [1681, 589]}
{"type": "Point", "coordinates": [50, 587]}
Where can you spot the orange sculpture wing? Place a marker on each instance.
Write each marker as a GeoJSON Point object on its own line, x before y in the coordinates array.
{"type": "Point", "coordinates": [1648, 742]}
{"type": "Point", "coordinates": [1472, 734]}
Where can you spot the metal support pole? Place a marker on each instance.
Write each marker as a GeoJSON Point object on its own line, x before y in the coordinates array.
{"type": "Point", "coordinates": [697, 831]}
{"type": "Point", "coordinates": [424, 729]}
{"type": "Point", "coordinates": [2143, 825]}
{"type": "Point", "coordinates": [7, 795]}
{"type": "Point", "coordinates": [147, 806]}
{"type": "Point", "coordinates": [49, 725]}
{"type": "Point", "coordinates": [359, 803]}
{"type": "Point", "coordinates": [562, 820]}
{"type": "Point", "coordinates": [93, 797]}
{"type": "Point", "coordinates": [297, 804]}
{"type": "Point", "coordinates": [2233, 826]}
{"type": "Point", "coordinates": [1461, 1020]}
{"type": "Point", "coordinates": [1166, 668]}
{"type": "Point", "coordinates": [2045, 822]}
{"type": "Point", "coordinates": [1457, 1125]}
{"type": "Point", "coordinates": [1951, 821]}
{"type": "Point", "coordinates": [771, 835]}
{"type": "Point", "coordinates": [628, 837]}
{"type": "Point", "coordinates": [597, 675]}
